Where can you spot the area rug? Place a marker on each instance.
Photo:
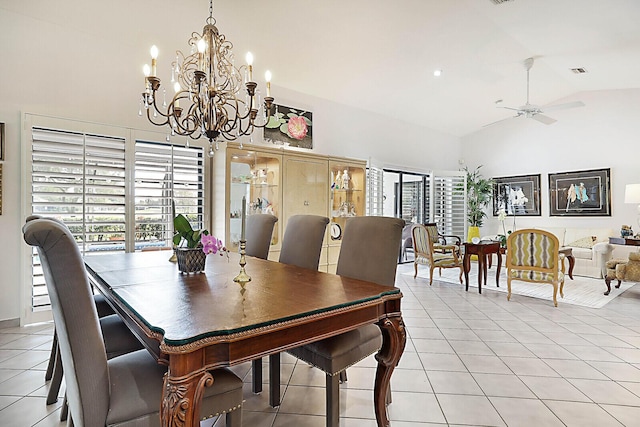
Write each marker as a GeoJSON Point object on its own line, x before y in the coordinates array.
{"type": "Point", "coordinates": [582, 291]}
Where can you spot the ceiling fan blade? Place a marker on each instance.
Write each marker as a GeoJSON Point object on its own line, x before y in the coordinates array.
{"type": "Point", "coordinates": [511, 108]}
{"type": "Point", "coordinates": [499, 121]}
{"type": "Point", "coordinates": [563, 106]}
{"type": "Point", "coordinates": [543, 119]}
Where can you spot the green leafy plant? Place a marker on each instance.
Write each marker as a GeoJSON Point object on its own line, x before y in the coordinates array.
{"type": "Point", "coordinates": [479, 191]}
{"type": "Point", "coordinates": [183, 232]}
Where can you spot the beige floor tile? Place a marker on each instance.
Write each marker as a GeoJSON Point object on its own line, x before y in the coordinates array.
{"type": "Point", "coordinates": [484, 364]}
{"type": "Point", "coordinates": [415, 407]}
{"type": "Point", "coordinates": [510, 349]}
{"type": "Point", "coordinates": [575, 369]}
{"type": "Point", "coordinates": [469, 410]}
{"type": "Point", "coordinates": [576, 414]}
{"type": "Point", "coordinates": [606, 392]}
{"type": "Point", "coordinates": [627, 415]}
{"type": "Point", "coordinates": [524, 412]}
{"type": "Point", "coordinates": [471, 347]}
{"type": "Point", "coordinates": [549, 388]}
{"type": "Point", "coordinates": [453, 382]}
{"type": "Point", "coordinates": [503, 385]}
{"type": "Point", "coordinates": [440, 362]}
{"type": "Point", "coordinates": [410, 380]}
{"type": "Point", "coordinates": [26, 411]}
{"type": "Point", "coordinates": [618, 371]}
{"type": "Point", "coordinates": [529, 366]}
{"type": "Point", "coordinates": [432, 346]}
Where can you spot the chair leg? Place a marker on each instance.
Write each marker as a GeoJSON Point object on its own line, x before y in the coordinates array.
{"type": "Point", "coordinates": [461, 272]}
{"type": "Point", "coordinates": [52, 357]}
{"type": "Point", "coordinates": [234, 418]}
{"type": "Point", "coordinates": [561, 289]}
{"type": "Point", "coordinates": [343, 376]}
{"type": "Point", "coordinates": [333, 400]}
{"type": "Point", "coordinates": [388, 399]}
{"type": "Point", "coordinates": [64, 411]}
{"type": "Point", "coordinates": [555, 292]}
{"type": "Point", "coordinates": [56, 379]}
{"type": "Point", "coordinates": [508, 288]}
{"type": "Point", "coordinates": [431, 275]}
{"type": "Point", "coordinates": [256, 368]}
{"type": "Point", "coordinates": [415, 266]}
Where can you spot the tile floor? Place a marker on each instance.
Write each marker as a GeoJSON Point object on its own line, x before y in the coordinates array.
{"type": "Point", "coordinates": [470, 360]}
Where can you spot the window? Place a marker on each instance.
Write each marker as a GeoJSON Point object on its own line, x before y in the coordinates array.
{"type": "Point", "coordinates": [166, 173]}
{"type": "Point", "coordinates": [83, 179]}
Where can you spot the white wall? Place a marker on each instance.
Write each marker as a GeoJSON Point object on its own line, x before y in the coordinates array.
{"type": "Point", "coordinates": [603, 134]}
{"type": "Point", "coordinates": [76, 72]}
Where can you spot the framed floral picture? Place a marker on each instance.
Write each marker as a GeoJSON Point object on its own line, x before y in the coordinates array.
{"type": "Point", "coordinates": [517, 195]}
{"type": "Point", "coordinates": [580, 193]}
{"type": "Point", "coordinates": [289, 126]}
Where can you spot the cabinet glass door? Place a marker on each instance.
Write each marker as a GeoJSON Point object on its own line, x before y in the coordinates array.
{"type": "Point", "coordinates": [255, 176]}
{"type": "Point", "coordinates": [347, 195]}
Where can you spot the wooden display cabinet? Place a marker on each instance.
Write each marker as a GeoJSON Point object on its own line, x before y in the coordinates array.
{"type": "Point", "coordinates": [256, 176]}
{"type": "Point", "coordinates": [347, 199]}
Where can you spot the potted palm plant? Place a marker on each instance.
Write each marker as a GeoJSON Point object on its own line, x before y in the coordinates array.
{"type": "Point", "coordinates": [479, 190]}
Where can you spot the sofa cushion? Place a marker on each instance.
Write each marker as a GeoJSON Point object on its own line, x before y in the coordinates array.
{"type": "Point", "coordinates": [573, 234]}
{"type": "Point", "coordinates": [586, 242]}
{"type": "Point", "coordinates": [582, 253]}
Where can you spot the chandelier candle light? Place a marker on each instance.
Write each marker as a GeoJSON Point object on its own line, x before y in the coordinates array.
{"type": "Point", "coordinates": [207, 100]}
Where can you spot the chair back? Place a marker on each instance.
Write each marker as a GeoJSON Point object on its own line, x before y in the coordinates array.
{"type": "Point", "coordinates": [369, 250]}
{"type": "Point", "coordinates": [432, 230]}
{"type": "Point", "coordinates": [84, 358]}
{"type": "Point", "coordinates": [422, 243]}
{"type": "Point", "coordinates": [534, 253]}
{"type": "Point", "coordinates": [302, 241]}
{"type": "Point", "coordinates": [258, 234]}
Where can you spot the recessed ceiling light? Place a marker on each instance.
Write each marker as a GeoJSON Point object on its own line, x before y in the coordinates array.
{"type": "Point", "coordinates": [437, 73]}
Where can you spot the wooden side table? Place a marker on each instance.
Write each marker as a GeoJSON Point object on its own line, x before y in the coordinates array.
{"type": "Point", "coordinates": [481, 249]}
{"type": "Point", "coordinates": [568, 254]}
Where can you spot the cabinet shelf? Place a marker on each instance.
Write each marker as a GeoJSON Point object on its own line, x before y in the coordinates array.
{"type": "Point", "coordinates": [346, 191]}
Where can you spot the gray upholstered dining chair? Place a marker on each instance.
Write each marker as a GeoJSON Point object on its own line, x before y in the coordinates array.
{"type": "Point", "coordinates": [118, 340]}
{"type": "Point", "coordinates": [369, 252]}
{"type": "Point", "coordinates": [125, 390]}
{"type": "Point", "coordinates": [302, 241]}
{"type": "Point", "coordinates": [258, 234]}
{"type": "Point", "coordinates": [301, 246]}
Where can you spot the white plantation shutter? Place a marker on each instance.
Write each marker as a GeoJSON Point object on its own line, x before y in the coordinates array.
{"type": "Point", "coordinates": [374, 191]}
{"type": "Point", "coordinates": [82, 179]}
{"type": "Point", "coordinates": [448, 201]}
{"type": "Point", "coordinates": [78, 178]}
{"type": "Point", "coordinates": [164, 173]}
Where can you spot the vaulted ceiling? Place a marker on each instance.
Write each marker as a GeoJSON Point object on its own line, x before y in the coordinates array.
{"type": "Point", "coordinates": [380, 55]}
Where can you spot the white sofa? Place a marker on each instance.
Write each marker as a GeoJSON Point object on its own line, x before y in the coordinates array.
{"type": "Point", "coordinates": [590, 248]}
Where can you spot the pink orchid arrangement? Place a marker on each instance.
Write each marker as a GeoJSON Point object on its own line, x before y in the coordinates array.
{"type": "Point", "coordinates": [212, 245]}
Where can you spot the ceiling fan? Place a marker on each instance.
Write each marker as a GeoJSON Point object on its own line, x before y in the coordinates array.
{"type": "Point", "coordinates": [531, 111]}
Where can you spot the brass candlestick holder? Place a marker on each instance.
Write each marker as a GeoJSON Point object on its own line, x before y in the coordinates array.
{"type": "Point", "coordinates": [242, 278]}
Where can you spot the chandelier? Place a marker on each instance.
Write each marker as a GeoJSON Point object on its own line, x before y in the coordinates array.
{"type": "Point", "coordinates": [208, 100]}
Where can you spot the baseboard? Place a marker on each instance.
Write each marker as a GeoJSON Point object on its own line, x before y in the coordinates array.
{"type": "Point", "coordinates": [9, 323]}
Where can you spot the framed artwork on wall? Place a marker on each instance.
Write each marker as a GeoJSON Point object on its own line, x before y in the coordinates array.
{"type": "Point", "coordinates": [289, 126]}
{"type": "Point", "coordinates": [517, 195]}
{"type": "Point", "coordinates": [1, 141]}
{"type": "Point", "coordinates": [580, 193]}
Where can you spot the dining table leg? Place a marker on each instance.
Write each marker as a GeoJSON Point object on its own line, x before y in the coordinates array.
{"type": "Point", "coordinates": [182, 392]}
{"type": "Point", "coordinates": [394, 339]}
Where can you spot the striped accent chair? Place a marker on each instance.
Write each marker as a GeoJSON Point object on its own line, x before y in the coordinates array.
{"type": "Point", "coordinates": [426, 252]}
{"type": "Point", "coordinates": [532, 256]}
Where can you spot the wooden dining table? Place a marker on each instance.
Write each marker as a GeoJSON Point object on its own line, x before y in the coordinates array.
{"type": "Point", "coordinates": [195, 323]}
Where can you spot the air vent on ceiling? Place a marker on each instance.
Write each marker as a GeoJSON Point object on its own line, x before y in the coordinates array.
{"type": "Point", "coordinates": [579, 70]}
{"type": "Point", "coordinates": [500, 1]}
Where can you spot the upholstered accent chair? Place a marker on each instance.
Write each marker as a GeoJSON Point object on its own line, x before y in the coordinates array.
{"type": "Point", "coordinates": [623, 269]}
{"type": "Point", "coordinates": [532, 256]}
{"type": "Point", "coordinates": [443, 242]}
{"type": "Point", "coordinates": [369, 251]}
{"type": "Point", "coordinates": [125, 390]}
{"type": "Point", "coordinates": [429, 251]}
{"type": "Point", "coordinates": [258, 234]}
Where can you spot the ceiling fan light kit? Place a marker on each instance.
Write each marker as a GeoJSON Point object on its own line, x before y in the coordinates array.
{"type": "Point", "coordinates": [531, 111]}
